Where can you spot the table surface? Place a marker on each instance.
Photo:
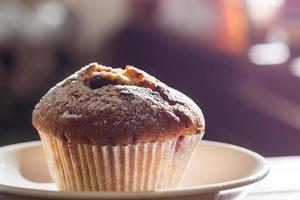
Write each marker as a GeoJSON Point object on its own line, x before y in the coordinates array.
{"type": "Point", "coordinates": [283, 181]}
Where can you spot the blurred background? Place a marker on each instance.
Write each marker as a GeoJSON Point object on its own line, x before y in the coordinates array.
{"type": "Point", "coordinates": [238, 59]}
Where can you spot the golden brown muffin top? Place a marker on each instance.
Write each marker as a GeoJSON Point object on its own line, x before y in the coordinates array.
{"type": "Point", "coordinates": [102, 105]}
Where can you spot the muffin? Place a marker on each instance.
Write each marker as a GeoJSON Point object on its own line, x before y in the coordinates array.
{"type": "Point", "coordinates": [106, 129]}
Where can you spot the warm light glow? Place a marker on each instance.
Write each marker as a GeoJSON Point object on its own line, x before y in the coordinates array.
{"type": "Point", "coordinates": [262, 12]}
{"type": "Point", "coordinates": [269, 54]}
{"type": "Point", "coordinates": [268, 3]}
{"type": "Point", "coordinates": [51, 13]}
{"type": "Point", "coordinates": [295, 67]}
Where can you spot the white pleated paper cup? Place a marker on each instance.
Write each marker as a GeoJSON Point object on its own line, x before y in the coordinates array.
{"type": "Point", "coordinates": [134, 167]}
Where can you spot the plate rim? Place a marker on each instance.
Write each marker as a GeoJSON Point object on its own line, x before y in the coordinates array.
{"type": "Point", "coordinates": [195, 190]}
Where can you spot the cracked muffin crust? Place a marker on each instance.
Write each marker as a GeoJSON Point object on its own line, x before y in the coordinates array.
{"type": "Point", "coordinates": [106, 106]}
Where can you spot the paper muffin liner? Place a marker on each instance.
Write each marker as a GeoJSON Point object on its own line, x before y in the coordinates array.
{"type": "Point", "coordinates": [134, 167]}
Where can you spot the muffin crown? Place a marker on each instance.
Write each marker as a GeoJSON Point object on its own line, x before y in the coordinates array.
{"type": "Point", "coordinates": [101, 105]}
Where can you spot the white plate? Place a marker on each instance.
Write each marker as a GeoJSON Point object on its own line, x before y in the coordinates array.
{"type": "Point", "coordinates": [217, 171]}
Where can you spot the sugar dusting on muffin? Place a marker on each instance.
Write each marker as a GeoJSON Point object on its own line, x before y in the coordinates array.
{"type": "Point", "coordinates": [106, 129]}
{"type": "Point", "coordinates": [102, 105]}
